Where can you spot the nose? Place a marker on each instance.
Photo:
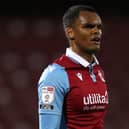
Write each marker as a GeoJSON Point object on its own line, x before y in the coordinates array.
{"type": "Point", "coordinates": [97, 30]}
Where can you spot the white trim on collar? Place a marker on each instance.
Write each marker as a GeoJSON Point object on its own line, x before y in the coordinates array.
{"type": "Point", "coordinates": [78, 59]}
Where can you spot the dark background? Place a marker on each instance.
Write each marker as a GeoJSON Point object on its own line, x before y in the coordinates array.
{"type": "Point", "coordinates": [32, 36]}
{"type": "Point", "coordinates": [57, 7]}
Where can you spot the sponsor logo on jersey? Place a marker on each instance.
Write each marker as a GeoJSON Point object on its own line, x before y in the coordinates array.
{"type": "Point", "coordinates": [48, 94]}
{"type": "Point", "coordinates": [95, 98]}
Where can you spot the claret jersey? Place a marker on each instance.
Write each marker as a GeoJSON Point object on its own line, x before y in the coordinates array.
{"type": "Point", "coordinates": [72, 94]}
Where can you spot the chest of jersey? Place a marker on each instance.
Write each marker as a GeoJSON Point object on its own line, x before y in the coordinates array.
{"type": "Point", "coordinates": [86, 93]}
{"type": "Point", "coordinates": [87, 99]}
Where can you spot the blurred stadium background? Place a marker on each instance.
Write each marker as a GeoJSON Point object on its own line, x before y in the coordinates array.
{"type": "Point", "coordinates": [32, 36]}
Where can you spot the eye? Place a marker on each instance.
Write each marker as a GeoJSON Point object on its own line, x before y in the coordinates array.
{"type": "Point", "coordinates": [100, 26]}
{"type": "Point", "coordinates": [89, 26]}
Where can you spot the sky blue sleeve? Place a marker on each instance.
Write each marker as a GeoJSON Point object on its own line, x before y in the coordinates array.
{"type": "Point", "coordinates": [52, 87]}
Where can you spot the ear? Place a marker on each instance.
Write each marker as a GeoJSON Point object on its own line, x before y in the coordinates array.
{"type": "Point", "coordinates": [69, 33]}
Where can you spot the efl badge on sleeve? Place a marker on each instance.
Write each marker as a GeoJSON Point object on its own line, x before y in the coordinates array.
{"type": "Point", "coordinates": [48, 94]}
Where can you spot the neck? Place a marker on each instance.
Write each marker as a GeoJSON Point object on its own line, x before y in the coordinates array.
{"type": "Point", "coordinates": [86, 56]}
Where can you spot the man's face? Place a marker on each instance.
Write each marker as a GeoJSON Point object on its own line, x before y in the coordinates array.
{"type": "Point", "coordinates": [87, 32]}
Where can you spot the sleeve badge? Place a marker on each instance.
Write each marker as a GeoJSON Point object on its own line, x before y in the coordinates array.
{"type": "Point", "coordinates": [48, 94]}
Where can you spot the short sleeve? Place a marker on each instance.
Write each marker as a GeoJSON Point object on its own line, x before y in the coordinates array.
{"type": "Point", "coordinates": [52, 88]}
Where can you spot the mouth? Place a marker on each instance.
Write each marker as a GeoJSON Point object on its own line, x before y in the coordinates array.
{"type": "Point", "coordinates": [96, 40]}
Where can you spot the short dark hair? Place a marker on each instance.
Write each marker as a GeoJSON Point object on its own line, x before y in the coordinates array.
{"type": "Point", "coordinates": [73, 12]}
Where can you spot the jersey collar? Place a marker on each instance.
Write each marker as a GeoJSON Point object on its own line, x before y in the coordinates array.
{"type": "Point", "coordinates": [78, 59]}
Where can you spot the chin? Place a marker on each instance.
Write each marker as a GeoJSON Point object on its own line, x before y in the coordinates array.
{"type": "Point", "coordinates": [93, 51]}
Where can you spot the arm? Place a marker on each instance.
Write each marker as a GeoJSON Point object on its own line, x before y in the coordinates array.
{"type": "Point", "coordinates": [49, 121]}
{"type": "Point", "coordinates": [52, 87]}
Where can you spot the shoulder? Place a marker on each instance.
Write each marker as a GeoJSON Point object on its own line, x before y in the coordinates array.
{"type": "Point", "coordinates": [53, 72]}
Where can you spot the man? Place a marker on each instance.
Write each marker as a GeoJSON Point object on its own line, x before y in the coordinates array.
{"type": "Point", "coordinates": [72, 90]}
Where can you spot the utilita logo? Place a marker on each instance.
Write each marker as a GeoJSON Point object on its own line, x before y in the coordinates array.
{"type": "Point", "coordinates": [95, 98]}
